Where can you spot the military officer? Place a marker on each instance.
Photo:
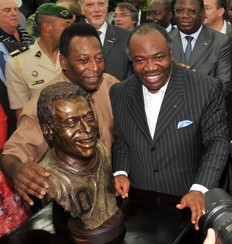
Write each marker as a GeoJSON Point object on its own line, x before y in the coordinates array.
{"type": "Point", "coordinates": [29, 71]}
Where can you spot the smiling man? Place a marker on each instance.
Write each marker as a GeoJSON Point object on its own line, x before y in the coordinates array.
{"type": "Point", "coordinates": [82, 63]}
{"type": "Point", "coordinates": [170, 125]}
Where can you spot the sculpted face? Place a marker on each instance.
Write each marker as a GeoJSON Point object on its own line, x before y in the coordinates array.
{"type": "Point", "coordinates": [188, 16]}
{"type": "Point", "coordinates": [158, 12]}
{"type": "Point", "coordinates": [95, 11]}
{"type": "Point", "coordinates": [84, 65]}
{"type": "Point", "coordinates": [151, 60]}
{"type": "Point", "coordinates": [75, 129]}
{"type": "Point", "coordinates": [8, 15]}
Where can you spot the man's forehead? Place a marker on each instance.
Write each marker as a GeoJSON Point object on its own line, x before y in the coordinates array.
{"type": "Point", "coordinates": [7, 4]}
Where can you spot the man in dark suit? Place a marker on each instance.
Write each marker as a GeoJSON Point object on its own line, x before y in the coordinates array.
{"type": "Point", "coordinates": [170, 130]}
{"type": "Point", "coordinates": [113, 38]}
{"type": "Point", "coordinates": [211, 51]}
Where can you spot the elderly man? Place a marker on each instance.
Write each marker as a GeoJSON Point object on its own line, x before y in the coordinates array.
{"type": "Point", "coordinates": [113, 38]}
{"type": "Point", "coordinates": [29, 71]}
{"type": "Point", "coordinates": [82, 63]}
{"type": "Point", "coordinates": [9, 30]}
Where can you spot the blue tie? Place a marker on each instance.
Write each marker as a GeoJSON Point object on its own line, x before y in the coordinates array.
{"type": "Point", "coordinates": [188, 49]}
{"type": "Point", "coordinates": [2, 63]}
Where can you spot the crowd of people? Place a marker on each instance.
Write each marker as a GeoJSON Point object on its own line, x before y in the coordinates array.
{"type": "Point", "coordinates": [160, 83]}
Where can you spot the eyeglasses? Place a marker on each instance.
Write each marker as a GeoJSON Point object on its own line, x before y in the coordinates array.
{"type": "Point", "coordinates": [121, 15]}
{"type": "Point", "coordinates": [191, 12]}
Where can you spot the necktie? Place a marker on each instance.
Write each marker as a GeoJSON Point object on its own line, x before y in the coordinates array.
{"type": "Point", "coordinates": [99, 32]}
{"type": "Point", "coordinates": [2, 63]}
{"type": "Point", "coordinates": [188, 49]}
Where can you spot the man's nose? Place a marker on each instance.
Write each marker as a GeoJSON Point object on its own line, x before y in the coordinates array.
{"type": "Point", "coordinates": [150, 64]}
{"type": "Point", "coordinates": [86, 126]}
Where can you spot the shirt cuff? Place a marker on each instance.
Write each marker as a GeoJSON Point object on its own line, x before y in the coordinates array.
{"type": "Point", "coordinates": [198, 187]}
{"type": "Point", "coordinates": [120, 172]}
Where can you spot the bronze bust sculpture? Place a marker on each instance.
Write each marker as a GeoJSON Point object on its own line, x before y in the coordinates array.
{"type": "Point", "coordinates": [81, 179]}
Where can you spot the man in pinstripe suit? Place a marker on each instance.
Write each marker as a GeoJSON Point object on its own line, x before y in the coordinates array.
{"type": "Point", "coordinates": [170, 132]}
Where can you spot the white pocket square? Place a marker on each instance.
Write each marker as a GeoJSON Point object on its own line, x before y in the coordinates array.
{"type": "Point", "coordinates": [184, 123]}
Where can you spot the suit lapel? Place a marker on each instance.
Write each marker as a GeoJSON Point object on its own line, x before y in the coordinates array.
{"type": "Point", "coordinates": [135, 104]}
{"type": "Point", "coordinates": [172, 102]}
{"type": "Point", "coordinates": [110, 39]}
{"type": "Point", "coordinates": [177, 47]}
{"type": "Point", "coordinates": [202, 44]}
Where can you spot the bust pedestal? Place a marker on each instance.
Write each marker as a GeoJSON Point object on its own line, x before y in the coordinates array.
{"type": "Point", "coordinates": [112, 231]}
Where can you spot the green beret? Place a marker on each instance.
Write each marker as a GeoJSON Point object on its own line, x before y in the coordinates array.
{"type": "Point", "coordinates": [54, 10]}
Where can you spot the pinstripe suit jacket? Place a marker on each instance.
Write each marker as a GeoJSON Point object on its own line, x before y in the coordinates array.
{"type": "Point", "coordinates": [211, 55]}
{"type": "Point", "coordinates": [175, 158]}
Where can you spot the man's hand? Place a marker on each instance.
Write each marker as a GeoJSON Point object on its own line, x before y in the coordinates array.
{"type": "Point", "coordinates": [26, 179]}
{"type": "Point", "coordinates": [196, 202]}
{"type": "Point", "coordinates": [122, 185]}
{"type": "Point", "coordinates": [185, 66]}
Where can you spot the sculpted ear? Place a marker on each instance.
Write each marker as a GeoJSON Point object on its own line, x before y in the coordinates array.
{"type": "Point", "coordinates": [47, 132]}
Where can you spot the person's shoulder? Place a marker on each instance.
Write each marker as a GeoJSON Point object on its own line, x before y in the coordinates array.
{"type": "Point", "coordinates": [215, 36]}
{"type": "Point", "coordinates": [108, 81]}
{"type": "Point", "coordinates": [124, 85]}
{"type": "Point", "coordinates": [200, 81]}
{"type": "Point", "coordinates": [173, 33]}
{"type": "Point", "coordinates": [120, 31]}
{"type": "Point", "coordinates": [27, 54]}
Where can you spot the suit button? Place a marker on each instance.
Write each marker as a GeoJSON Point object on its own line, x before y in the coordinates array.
{"type": "Point", "coordinates": [155, 171]}
{"type": "Point", "coordinates": [153, 149]}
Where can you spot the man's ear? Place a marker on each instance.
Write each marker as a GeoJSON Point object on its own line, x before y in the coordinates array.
{"type": "Point", "coordinates": [47, 132]}
{"type": "Point", "coordinates": [63, 62]}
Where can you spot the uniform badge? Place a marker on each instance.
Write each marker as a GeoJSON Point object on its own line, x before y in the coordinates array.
{"type": "Point", "coordinates": [38, 54]}
{"type": "Point", "coordinates": [34, 73]}
{"type": "Point", "coordinates": [64, 13]}
{"type": "Point", "coordinates": [37, 82]}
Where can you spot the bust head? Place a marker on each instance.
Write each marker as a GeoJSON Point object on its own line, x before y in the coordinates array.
{"type": "Point", "coordinates": [67, 121]}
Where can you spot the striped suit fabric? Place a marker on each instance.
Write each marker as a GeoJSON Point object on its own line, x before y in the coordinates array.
{"type": "Point", "coordinates": [175, 158]}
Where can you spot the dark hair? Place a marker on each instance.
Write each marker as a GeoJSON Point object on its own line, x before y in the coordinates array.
{"type": "Point", "coordinates": [133, 10]}
{"type": "Point", "coordinates": [167, 4]}
{"type": "Point", "coordinates": [223, 4]}
{"type": "Point", "coordinates": [52, 93]}
{"type": "Point", "coordinates": [77, 29]}
{"type": "Point", "coordinates": [200, 2]}
{"type": "Point", "coordinates": [148, 28]}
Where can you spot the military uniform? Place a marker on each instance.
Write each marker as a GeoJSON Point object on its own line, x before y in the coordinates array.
{"type": "Point", "coordinates": [28, 72]}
